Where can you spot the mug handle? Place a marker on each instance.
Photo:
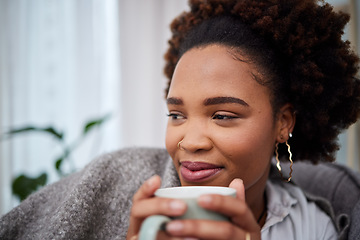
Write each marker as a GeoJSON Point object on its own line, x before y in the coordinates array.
{"type": "Point", "coordinates": [151, 226]}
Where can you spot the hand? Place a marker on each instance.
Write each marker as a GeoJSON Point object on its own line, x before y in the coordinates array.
{"type": "Point", "coordinates": [242, 221]}
{"type": "Point", "coordinates": [145, 205]}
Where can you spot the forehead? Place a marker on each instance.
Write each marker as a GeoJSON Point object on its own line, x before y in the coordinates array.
{"type": "Point", "coordinates": [213, 71]}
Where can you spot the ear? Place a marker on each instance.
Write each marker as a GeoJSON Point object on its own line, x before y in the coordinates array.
{"type": "Point", "coordinates": [285, 122]}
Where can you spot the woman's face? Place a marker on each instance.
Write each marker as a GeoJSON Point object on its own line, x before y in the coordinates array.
{"type": "Point", "coordinates": [223, 117]}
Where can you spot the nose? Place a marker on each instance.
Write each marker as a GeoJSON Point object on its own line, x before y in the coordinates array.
{"type": "Point", "coordinates": [196, 138]}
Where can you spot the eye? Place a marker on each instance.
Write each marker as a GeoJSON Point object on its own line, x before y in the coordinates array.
{"type": "Point", "coordinates": [175, 116]}
{"type": "Point", "coordinates": [224, 116]}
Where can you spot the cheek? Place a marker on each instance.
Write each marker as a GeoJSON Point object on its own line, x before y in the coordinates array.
{"type": "Point", "coordinates": [238, 145]}
{"type": "Point", "coordinates": [247, 154]}
{"type": "Point", "coordinates": [249, 142]}
{"type": "Point", "coordinates": [170, 141]}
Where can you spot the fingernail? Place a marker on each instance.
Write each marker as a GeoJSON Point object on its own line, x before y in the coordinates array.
{"type": "Point", "coordinates": [177, 205]}
{"type": "Point", "coordinates": [205, 199]}
{"type": "Point", "coordinates": [174, 226]}
{"type": "Point", "coordinates": [151, 181]}
{"type": "Point", "coordinates": [134, 237]}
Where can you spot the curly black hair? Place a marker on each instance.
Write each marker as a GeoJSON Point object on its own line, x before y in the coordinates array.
{"type": "Point", "coordinates": [298, 46]}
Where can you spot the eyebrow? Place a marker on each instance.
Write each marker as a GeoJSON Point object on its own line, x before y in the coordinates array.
{"type": "Point", "coordinates": [210, 101]}
{"type": "Point", "coordinates": [174, 101]}
{"type": "Point", "coordinates": [223, 100]}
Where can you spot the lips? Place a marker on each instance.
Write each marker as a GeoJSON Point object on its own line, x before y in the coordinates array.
{"type": "Point", "coordinates": [198, 171]}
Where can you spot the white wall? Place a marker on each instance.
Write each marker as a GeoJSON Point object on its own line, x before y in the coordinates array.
{"type": "Point", "coordinates": [144, 34]}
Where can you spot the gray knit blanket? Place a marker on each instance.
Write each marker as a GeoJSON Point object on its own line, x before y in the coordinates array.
{"type": "Point", "coordinates": [92, 204]}
{"type": "Point", "coordinates": [95, 203]}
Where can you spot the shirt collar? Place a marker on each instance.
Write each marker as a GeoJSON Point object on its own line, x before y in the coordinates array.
{"type": "Point", "coordinates": [279, 203]}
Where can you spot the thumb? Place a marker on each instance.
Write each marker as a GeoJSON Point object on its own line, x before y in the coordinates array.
{"type": "Point", "coordinates": [148, 188]}
{"type": "Point", "coordinates": [238, 185]}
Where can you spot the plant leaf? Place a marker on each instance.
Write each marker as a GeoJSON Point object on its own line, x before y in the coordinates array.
{"type": "Point", "coordinates": [55, 133]}
{"type": "Point", "coordinates": [49, 130]}
{"type": "Point", "coordinates": [93, 123]}
{"type": "Point", "coordinates": [61, 159]}
{"type": "Point", "coordinates": [21, 130]}
{"type": "Point", "coordinates": [58, 163]}
{"type": "Point", "coordinates": [23, 185]}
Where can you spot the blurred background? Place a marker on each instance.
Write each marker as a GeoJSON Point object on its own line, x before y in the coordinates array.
{"type": "Point", "coordinates": [85, 77]}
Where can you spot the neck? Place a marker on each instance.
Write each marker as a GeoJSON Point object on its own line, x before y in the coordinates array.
{"type": "Point", "coordinates": [255, 197]}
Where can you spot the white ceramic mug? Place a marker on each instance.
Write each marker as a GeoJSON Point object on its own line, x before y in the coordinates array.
{"type": "Point", "coordinates": [189, 195]}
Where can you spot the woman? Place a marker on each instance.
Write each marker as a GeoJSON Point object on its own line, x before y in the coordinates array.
{"type": "Point", "coordinates": [249, 80]}
{"type": "Point", "coordinates": [241, 74]}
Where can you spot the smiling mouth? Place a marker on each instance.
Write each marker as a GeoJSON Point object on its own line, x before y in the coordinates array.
{"type": "Point", "coordinates": [198, 171]}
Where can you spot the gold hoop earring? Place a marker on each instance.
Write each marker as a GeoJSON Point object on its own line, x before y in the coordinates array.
{"type": "Point", "coordinates": [179, 146]}
{"type": "Point", "coordinates": [278, 161]}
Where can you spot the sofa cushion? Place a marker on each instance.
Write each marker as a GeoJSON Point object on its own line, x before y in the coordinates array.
{"type": "Point", "coordinates": [338, 184]}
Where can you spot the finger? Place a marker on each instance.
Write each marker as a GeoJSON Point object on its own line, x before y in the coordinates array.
{"type": "Point", "coordinates": [154, 206]}
{"type": "Point", "coordinates": [234, 208]}
{"type": "Point", "coordinates": [206, 229]}
{"type": "Point", "coordinates": [148, 188]}
{"type": "Point", "coordinates": [162, 235]}
{"type": "Point", "coordinates": [238, 185]}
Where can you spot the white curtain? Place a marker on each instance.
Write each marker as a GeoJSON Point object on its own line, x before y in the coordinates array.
{"type": "Point", "coordinates": [59, 67]}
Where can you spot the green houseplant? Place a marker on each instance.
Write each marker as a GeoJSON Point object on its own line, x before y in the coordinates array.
{"type": "Point", "coordinates": [23, 185]}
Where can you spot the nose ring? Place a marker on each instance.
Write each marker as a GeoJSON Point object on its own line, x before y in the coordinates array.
{"type": "Point", "coordinates": [179, 145]}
